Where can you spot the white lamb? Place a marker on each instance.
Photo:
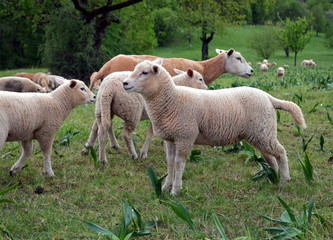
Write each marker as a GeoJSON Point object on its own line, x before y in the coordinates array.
{"type": "Point", "coordinates": [263, 68]}
{"type": "Point", "coordinates": [280, 72]}
{"type": "Point", "coordinates": [113, 100]}
{"type": "Point", "coordinates": [185, 116]}
{"type": "Point", "coordinates": [28, 116]}
{"type": "Point", "coordinates": [308, 63]}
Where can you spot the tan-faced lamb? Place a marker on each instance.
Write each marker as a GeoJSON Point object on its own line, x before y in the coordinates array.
{"type": "Point", "coordinates": [186, 116]}
{"type": "Point", "coordinates": [28, 116]}
{"type": "Point", "coordinates": [225, 62]}
{"type": "Point", "coordinates": [113, 100]}
{"type": "Point", "coordinates": [263, 68]}
{"type": "Point", "coordinates": [280, 72]}
{"type": "Point", "coordinates": [308, 63]}
{"type": "Point", "coordinates": [39, 78]}
{"type": "Point", "coordinates": [19, 84]}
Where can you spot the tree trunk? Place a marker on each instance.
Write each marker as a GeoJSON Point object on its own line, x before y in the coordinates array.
{"type": "Point", "coordinates": [286, 50]}
{"type": "Point", "coordinates": [295, 58]}
{"type": "Point", "coordinates": [205, 43]}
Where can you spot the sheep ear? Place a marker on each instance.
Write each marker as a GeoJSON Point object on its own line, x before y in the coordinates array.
{"type": "Point", "coordinates": [72, 84]}
{"type": "Point", "coordinates": [190, 72]}
{"type": "Point", "coordinates": [230, 52]}
{"type": "Point", "coordinates": [219, 51]}
{"type": "Point", "coordinates": [177, 71]}
{"type": "Point", "coordinates": [158, 61]}
{"type": "Point", "coordinates": [155, 69]}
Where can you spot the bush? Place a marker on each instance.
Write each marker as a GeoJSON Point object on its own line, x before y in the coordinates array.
{"type": "Point", "coordinates": [329, 35]}
{"type": "Point", "coordinates": [264, 43]}
{"type": "Point", "coordinates": [68, 49]}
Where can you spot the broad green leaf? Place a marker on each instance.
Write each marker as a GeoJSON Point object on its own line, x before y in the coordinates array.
{"type": "Point", "coordinates": [290, 212]}
{"type": "Point", "coordinates": [219, 226]}
{"type": "Point", "coordinates": [282, 223]}
{"type": "Point", "coordinates": [9, 189]}
{"type": "Point", "coordinates": [99, 230]}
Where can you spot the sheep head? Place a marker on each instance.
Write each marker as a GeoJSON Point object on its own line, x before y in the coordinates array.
{"type": "Point", "coordinates": [236, 64]}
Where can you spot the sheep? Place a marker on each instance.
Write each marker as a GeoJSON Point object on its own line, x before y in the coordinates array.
{"type": "Point", "coordinates": [39, 78]}
{"type": "Point", "coordinates": [19, 84]}
{"type": "Point", "coordinates": [28, 116]}
{"type": "Point", "coordinates": [225, 62]}
{"type": "Point", "coordinates": [112, 100]}
{"type": "Point", "coordinates": [55, 81]}
{"type": "Point", "coordinates": [308, 63]}
{"type": "Point", "coordinates": [183, 117]}
{"type": "Point", "coordinates": [280, 72]}
{"type": "Point", "coordinates": [263, 68]}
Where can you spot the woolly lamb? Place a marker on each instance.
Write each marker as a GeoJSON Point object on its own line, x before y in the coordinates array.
{"type": "Point", "coordinates": [308, 63]}
{"type": "Point", "coordinates": [55, 81]}
{"type": "Point", "coordinates": [19, 84]}
{"type": "Point", "coordinates": [28, 116]}
{"type": "Point", "coordinates": [225, 62]}
{"type": "Point", "coordinates": [112, 100]}
{"type": "Point", "coordinates": [185, 116]}
{"type": "Point", "coordinates": [39, 78]}
{"type": "Point", "coordinates": [263, 68]}
{"type": "Point", "coordinates": [280, 72]}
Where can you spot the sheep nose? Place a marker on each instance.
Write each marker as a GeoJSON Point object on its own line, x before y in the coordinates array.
{"type": "Point", "coordinates": [125, 83]}
{"type": "Point", "coordinates": [94, 96]}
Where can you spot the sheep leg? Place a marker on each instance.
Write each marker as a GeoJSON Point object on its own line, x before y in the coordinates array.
{"type": "Point", "coordinates": [102, 142]}
{"type": "Point", "coordinates": [271, 161]}
{"type": "Point", "coordinates": [113, 140]}
{"type": "Point", "coordinates": [170, 157]}
{"type": "Point", "coordinates": [92, 138]}
{"type": "Point", "coordinates": [182, 152]}
{"type": "Point", "coordinates": [26, 152]}
{"type": "Point", "coordinates": [46, 147]}
{"type": "Point", "coordinates": [145, 147]}
{"type": "Point", "coordinates": [128, 139]}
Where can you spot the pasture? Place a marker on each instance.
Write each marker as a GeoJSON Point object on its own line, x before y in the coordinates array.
{"type": "Point", "coordinates": [217, 182]}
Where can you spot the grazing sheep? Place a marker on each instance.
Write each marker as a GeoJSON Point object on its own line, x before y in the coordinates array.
{"type": "Point", "coordinates": [225, 62]}
{"type": "Point", "coordinates": [308, 63]}
{"type": "Point", "coordinates": [28, 116]}
{"type": "Point", "coordinates": [19, 84]}
{"type": "Point", "coordinates": [112, 100]}
{"type": "Point", "coordinates": [280, 73]}
{"type": "Point", "coordinates": [265, 61]}
{"type": "Point", "coordinates": [263, 68]}
{"type": "Point", "coordinates": [55, 81]}
{"type": "Point", "coordinates": [39, 78]}
{"type": "Point", "coordinates": [185, 116]}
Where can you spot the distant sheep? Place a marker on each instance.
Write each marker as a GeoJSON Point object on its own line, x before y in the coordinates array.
{"type": "Point", "coordinates": [39, 78]}
{"type": "Point", "coordinates": [225, 62]}
{"type": "Point", "coordinates": [55, 81]}
{"type": "Point", "coordinates": [112, 100]}
{"type": "Point", "coordinates": [28, 116]}
{"type": "Point", "coordinates": [19, 84]}
{"type": "Point", "coordinates": [280, 72]}
{"type": "Point", "coordinates": [308, 63]}
{"type": "Point", "coordinates": [217, 118]}
{"type": "Point", "coordinates": [263, 68]}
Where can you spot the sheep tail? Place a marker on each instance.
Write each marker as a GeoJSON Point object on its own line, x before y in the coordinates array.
{"type": "Point", "coordinates": [106, 102]}
{"type": "Point", "coordinates": [93, 79]}
{"type": "Point", "coordinates": [290, 107]}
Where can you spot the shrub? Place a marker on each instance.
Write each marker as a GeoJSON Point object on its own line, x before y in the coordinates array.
{"type": "Point", "coordinates": [264, 43]}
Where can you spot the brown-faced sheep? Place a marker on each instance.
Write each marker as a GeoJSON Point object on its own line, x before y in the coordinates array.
{"type": "Point", "coordinates": [225, 62]}
{"type": "Point", "coordinates": [187, 116]}
{"type": "Point", "coordinates": [308, 63]}
{"type": "Point", "coordinates": [39, 78]}
{"type": "Point", "coordinates": [113, 100]}
{"type": "Point", "coordinates": [28, 116]}
{"type": "Point", "coordinates": [19, 84]}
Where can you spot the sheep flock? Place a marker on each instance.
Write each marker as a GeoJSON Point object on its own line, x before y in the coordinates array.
{"type": "Point", "coordinates": [170, 92]}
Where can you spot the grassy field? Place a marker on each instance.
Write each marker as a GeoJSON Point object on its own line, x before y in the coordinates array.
{"type": "Point", "coordinates": [219, 182]}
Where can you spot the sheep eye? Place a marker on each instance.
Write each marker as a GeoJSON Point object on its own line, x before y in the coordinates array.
{"type": "Point", "coordinates": [200, 79]}
{"type": "Point", "coordinates": [239, 59]}
{"type": "Point", "coordinates": [83, 89]}
{"type": "Point", "coordinates": [144, 73]}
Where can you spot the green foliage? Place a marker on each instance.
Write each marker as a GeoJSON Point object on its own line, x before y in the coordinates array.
{"type": "Point", "coordinates": [292, 226]}
{"type": "Point", "coordinates": [319, 20]}
{"type": "Point", "coordinates": [261, 10]}
{"type": "Point", "coordinates": [264, 43]}
{"type": "Point", "coordinates": [131, 226]}
{"type": "Point", "coordinates": [295, 35]}
{"type": "Point", "coordinates": [305, 143]}
{"type": "Point", "coordinates": [3, 200]}
{"type": "Point", "coordinates": [195, 156]}
{"type": "Point", "coordinates": [68, 49]}
{"type": "Point", "coordinates": [156, 183]}
{"type": "Point", "coordinates": [329, 35]}
{"type": "Point", "coordinates": [69, 134]}
{"type": "Point", "coordinates": [307, 168]}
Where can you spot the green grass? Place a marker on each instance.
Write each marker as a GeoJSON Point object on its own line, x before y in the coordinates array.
{"type": "Point", "coordinates": [218, 183]}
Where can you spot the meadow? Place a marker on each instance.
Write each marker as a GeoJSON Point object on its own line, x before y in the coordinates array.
{"type": "Point", "coordinates": [217, 181]}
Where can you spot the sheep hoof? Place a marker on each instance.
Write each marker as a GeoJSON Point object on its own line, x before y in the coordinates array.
{"type": "Point", "coordinates": [14, 170]}
{"type": "Point", "coordinates": [167, 188]}
{"type": "Point", "coordinates": [49, 173]}
{"type": "Point", "coordinates": [12, 173]}
{"type": "Point", "coordinates": [143, 155]}
{"type": "Point", "coordinates": [283, 182]}
{"type": "Point", "coordinates": [134, 157]}
{"type": "Point", "coordinates": [85, 150]}
{"type": "Point", "coordinates": [175, 192]}
{"type": "Point", "coordinates": [104, 162]}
